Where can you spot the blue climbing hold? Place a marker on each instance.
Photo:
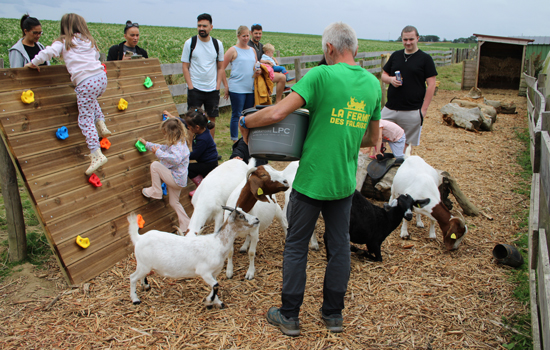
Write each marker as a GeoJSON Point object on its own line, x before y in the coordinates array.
{"type": "Point", "coordinates": [164, 189]}
{"type": "Point", "coordinates": [62, 133]}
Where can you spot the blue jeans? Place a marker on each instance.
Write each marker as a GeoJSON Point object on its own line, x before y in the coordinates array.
{"type": "Point", "coordinates": [239, 102]}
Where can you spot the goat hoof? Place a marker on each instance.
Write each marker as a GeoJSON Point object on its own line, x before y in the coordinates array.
{"type": "Point", "coordinates": [137, 302]}
{"type": "Point", "coordinates": [209, 307]}
{"type": "Point", "coordinates": [222, 306]}
{"type": "Point", "coordinates": [242, 251]}
{"type": "Point", "coordinates": [147, 287]}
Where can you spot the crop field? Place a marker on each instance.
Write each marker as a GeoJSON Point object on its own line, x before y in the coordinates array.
{"type": "Point", "coordinates": [166, 43]}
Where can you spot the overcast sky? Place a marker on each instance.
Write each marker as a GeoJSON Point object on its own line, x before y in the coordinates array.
{"type": "Point", "coordinates": [381, 20]}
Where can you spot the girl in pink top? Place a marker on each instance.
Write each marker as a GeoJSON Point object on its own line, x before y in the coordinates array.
{"type": "Point", "coordinates": [392, 134]}
{"type": "Point", "coordinates": [81, 56]}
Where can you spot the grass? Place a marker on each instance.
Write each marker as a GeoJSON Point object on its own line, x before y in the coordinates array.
{"type": "Point", "coordinates": [38, 248]}
{"type": "Point", "coordinates": [450, 77]}
{"type": "Point", "coordinates": [521, 321]}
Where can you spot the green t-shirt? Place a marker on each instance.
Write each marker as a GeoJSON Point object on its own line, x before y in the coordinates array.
{"type": "Point", "coordinates": [341, 100]}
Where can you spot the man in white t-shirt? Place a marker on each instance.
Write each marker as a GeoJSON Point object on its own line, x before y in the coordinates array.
{"type": "Point", "coordinates": [202, 59]}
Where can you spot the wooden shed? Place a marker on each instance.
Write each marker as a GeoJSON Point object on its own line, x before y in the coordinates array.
{"type": "Point", "coordinates": [500, 61]}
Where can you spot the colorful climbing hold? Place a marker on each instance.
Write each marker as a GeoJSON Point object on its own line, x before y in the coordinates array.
{"type": "Point", "coordinates": [94, 180]}
{"type": "Point", "coordinates": [62, 133]}
{"type": "Point", "coordinates": [140, 221]}
{"type": "Point", "coordinates": [164, 189]}
{"type": "Point", "coordinates": [104, 143]}
{"type": "Point", "coordinates": [83, 242]}
{"type": "Point", "coordinates": [148, 82]}
{"type": "Point", "coordinates": [122, 104]}
{"type": "Point", "coordinates": [27, 96]}
{"type": "Point", "coordinates": [140, 146]}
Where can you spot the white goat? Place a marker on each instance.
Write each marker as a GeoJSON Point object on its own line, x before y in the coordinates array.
{"type": "Point", "coordinates": [418, 179]}
{"type": "Point", "coordinates": [186, 256]}
{"type": "Point", "coordinates": [213, 193]}
{"type": "Point", "coordinates": [252, 196]}
{"type": "Point", "coordinates": [290, 173]}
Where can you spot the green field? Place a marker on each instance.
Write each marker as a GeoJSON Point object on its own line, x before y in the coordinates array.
{"type": "Point", "coordinates": [166, 43]}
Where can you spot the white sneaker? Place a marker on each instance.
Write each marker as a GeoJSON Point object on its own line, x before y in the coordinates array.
{"type": "Point", "coordinates": [98, 159]}
{"type": "Point", "coordinates": [102, 128]}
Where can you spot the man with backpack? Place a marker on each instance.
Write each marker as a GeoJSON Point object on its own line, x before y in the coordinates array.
{"type": "Point", "coordinates": [202, 59]}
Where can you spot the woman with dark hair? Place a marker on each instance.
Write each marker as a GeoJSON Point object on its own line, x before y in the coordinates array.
{"type": "Point", "coordinates": [126, 49]}
{"type": "Point", "coordinates": [28, 46]}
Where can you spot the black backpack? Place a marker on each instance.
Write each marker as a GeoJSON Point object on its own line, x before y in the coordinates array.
{"type": "Point", "coordinates": [194, 43]}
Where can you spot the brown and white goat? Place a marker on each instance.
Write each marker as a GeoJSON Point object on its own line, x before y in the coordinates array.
{"type": "Point", "coordinates": [418, 179]}
{"type": "Point", "coordinates": [253, 196]}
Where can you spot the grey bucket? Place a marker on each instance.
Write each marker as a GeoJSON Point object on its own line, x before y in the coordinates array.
{"type": "Point", "coordinates": [282, 141]}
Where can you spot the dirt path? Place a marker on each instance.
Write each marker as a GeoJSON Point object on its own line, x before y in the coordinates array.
{"type": "Point", "coordinates": [418, 298]}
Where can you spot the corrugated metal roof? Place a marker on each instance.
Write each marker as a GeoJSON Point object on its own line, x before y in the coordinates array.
{"type": "Point", "coordinates": [539, 40]}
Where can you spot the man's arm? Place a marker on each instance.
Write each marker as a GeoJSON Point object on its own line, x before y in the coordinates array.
{"type": "Point", "coordinates": [430, 90]}
{"type": "Point", "coordinates": [221, 76]}
{"type": "Point", "coordinates": [387, 79]}
{"type": "Point", "coordinates": [370, 138]}
{"type": "Point", "coordinates": [185, 67]}
{"type": "Point", "coordinates": [273, 114]}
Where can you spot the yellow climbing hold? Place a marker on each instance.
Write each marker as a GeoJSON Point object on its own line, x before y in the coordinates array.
{"type": "Point", "coordinates": [83, 242]}
{"type": "Point", "coordinates": [122, 104]}
{"type": "Point", "coordinates": [27, 96]}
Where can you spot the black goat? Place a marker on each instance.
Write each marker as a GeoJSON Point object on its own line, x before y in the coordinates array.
{"type": "Point", "coordinates": [370, 224]}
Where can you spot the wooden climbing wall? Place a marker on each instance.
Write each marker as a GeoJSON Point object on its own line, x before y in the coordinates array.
{"type": "Point", "coordinates": [53, 170]}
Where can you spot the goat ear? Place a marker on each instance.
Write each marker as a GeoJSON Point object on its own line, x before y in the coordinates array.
{"type": "Point", "coordinates": [250, 171]}
{"type": "Point", "coordinates": [421, 203]}
{"type": "Point", "coordinates": [227, 208]}
{"type": "Point", "coordinates": [390, 205]}
{"type": "Point", "coordinates": [256, 188]}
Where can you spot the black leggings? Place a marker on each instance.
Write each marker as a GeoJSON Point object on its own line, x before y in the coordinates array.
{"type": "Point", "coordinates": [203, 169]}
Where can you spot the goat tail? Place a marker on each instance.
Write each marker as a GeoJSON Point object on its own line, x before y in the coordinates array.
{"type": "Point", "coordinates": [408, 152]}
{"type": "Point", "coordinates": [133, 228]}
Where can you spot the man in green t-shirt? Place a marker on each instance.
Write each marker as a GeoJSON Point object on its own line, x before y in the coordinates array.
{"type": "Point", "coordinates": [344, 112]}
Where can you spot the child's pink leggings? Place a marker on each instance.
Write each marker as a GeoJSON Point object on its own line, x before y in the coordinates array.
{"type": "Point", "coordinates": [89, 110]}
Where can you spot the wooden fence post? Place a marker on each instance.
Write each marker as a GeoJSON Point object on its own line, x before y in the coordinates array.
{"type": "Point", "coordinates": [297, 69]}
{"type": "Point", "coordinates": [17, 237]}
{"type": "Point", "coordinates": [303, 64]}
{"type": "Point", "coordinates": [383, 85]}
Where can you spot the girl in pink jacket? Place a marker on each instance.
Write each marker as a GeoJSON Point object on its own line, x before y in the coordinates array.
{"type": "Point", "coordinates": [81, 56]}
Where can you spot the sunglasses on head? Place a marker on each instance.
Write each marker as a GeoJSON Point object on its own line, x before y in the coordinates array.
{"type": "Point", "coordinates": [130, 25]}
{"type": "Point", "coordinates": [256, 24]}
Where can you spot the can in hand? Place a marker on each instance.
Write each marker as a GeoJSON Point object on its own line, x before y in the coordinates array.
{"type": "Point", "coordinates": [398, 76]}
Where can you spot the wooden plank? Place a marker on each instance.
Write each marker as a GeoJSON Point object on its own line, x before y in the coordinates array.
{"type": "Point", "coordinates": [178, 89]}
{"type": "Point", "coordinates": [535, 326]}
{"type": "Point", "coordinates": [534, 212]}
{"type": "Point", "coordinates": [545, 121]}
{"type": "Point", "coordinates": [545, 168]}
{"type": "Point", "coordinates": [171, 68]}
{"type": "Point", "coordinates": [535, 144]}
{"type": "Point", "coordinates": [543, 274]}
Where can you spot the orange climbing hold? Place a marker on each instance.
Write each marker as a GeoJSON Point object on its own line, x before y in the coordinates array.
{"type": "Point", "coordinates": [140, 221]}
{"type": "Point", "coordinates": [104, 143]}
